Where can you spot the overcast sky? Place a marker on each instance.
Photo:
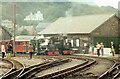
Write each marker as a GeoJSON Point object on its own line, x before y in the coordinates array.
{"type": "Point", "coordinates": [113, 3]}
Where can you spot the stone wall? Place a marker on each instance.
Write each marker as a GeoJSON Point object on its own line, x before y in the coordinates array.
{"type": "Point", "coordinates": [108, 28]}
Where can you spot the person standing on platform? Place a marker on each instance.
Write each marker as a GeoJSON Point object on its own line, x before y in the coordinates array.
{"type": "Point", "coordinates": [10, 50]}
{"type": "Point", "coordinates": [98, 49]}
{"type": "Point", "coordinates": [112, 46]}
{"type": "Point", "coordinates": [3, 50]}
{"type": "Point", "coordinates": [102, 48]}
{"type": "Point", "coordinates": [92, 49]}
{"type": "Point", "coordinates": [30, 50]}
{"type": "Point", "coordinates": [72, 43]}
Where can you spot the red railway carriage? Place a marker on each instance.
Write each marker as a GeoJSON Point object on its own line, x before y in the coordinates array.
{"type": "Point", "coordinates": [21, 43]}
{"type": "Point", "coordinates": [21, 46]}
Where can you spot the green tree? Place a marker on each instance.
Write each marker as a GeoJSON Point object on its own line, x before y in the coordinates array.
{"type": "Point", "coordinates": [51, 10]}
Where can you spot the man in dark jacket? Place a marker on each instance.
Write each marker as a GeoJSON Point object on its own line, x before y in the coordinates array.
{"type": "Point", "coordinates": [10, 48]}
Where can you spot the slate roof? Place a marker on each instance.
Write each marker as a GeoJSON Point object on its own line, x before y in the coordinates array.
{"type": "Point", "coordinates": [77, 24]}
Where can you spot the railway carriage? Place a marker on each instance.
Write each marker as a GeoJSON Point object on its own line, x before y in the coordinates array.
{"type": "Point", "coordinates": [21, 43]}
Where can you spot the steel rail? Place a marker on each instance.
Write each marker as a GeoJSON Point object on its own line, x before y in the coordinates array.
{"type": "Point", "coordinates": [28, 74]}
{"type": "Point", "coordinates": [65, 72]}
{"type": "Point", "coordinates": [17, 73]}
{"type": "Point", "coordinates": [109, 72]}
{"type": "Point", "coordinates": [15, 68]}
{"type": "Point", "coordinates": [12, 68]}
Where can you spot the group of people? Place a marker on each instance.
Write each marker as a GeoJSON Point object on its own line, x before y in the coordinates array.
{"type": "Point", "coordinates": [6, 48]}
{"type": "Point", "coordinates": [100, 47]}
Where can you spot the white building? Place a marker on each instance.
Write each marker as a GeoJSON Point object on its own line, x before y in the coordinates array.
{"type": "Point", "coordinates": [29, 17]}
{"type": "Point", "coordinates": [37, 16]}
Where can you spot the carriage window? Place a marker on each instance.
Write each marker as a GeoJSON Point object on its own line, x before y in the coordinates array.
{"type": "Point", "coordinates": [19, 43]}
{"type": "Point", "coordinates": [26, 43]}
{"type": "Point", "coordinates": [16, 43]}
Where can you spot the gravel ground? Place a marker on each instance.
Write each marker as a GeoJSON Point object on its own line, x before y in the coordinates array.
{"type": "Point", "coordinates": [4, 67]}
{"type": "Point", "coordinates": [35, 60]}
{"type": "Point", "coordinates": [100, 67]}
{"type": "Point", "coordinates": [94, 71]}
{"type": "Point", "coordinates": [27, 61]}
{"type": "Point", "coordinates": [97, 69]}
{"type": "Point", "coordinates": [74, 62]}
{"type": "Point", "coordinates": [3, 71]}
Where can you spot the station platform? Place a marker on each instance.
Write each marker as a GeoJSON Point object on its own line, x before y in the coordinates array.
{"type": "Point", "coordinates": [25, 59]}
{"type": "Point", "coordinates": [116, 55]}
{"type": "Point", "coordinates": [106, 53]}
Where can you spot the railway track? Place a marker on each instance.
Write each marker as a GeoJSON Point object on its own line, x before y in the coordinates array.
{"type": "Point", "coordinates": [68, 71]}
{"type": "Point", "coordinates": [112, 73]}
{"type": "Point", "coordinates": [15, 67]}
{"type": "Point", "coordinates": [30, 73]}
{"type": "Point", "coordinates": [27, 72]}
{"type": "Point", "coordinates": [63, 74]}
{"type": "Point", "coordinates": [89, 61]}
{"type": "Point", "coordinates": [5, 65]}
{"type": "Point", "coordinates": [17, 73]}
{"type": "Point", "coordinates": [6, 61]}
